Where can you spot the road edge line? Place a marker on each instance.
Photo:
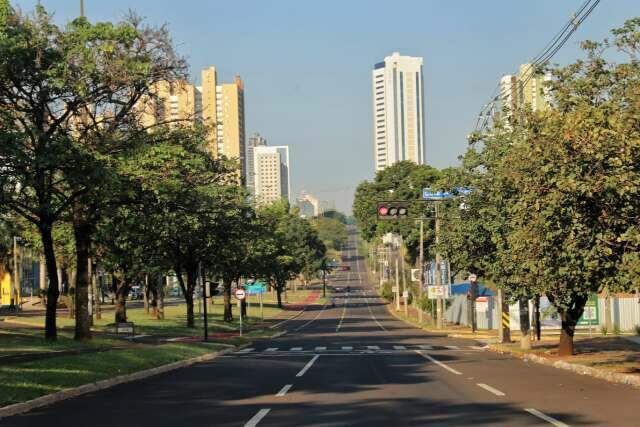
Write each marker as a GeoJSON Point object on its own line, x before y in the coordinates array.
{"type": "Point", "coordinates": [439, 363]}
{"type": "Point", "coordinates": [69, 393]}
{"type": "Point", "coordinates": [545, 417]}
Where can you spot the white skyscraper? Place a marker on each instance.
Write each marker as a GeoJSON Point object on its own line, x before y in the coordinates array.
{"type": "Point", "coordinates": [398, 111]}
{"type": "Point", "coordinates": [271, 174]}
{"type": "Point", "coordinates": [255, 141]}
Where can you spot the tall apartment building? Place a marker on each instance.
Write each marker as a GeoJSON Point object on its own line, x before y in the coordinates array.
{"type": "Point", "coordinates": [272, 177]}
{"type": "Point", "coordinates": [524, 89]}
{"type": "Point", "coordinates": [254, 141]}
{"type": "Point", "coordinates": [172, 103]}
{"type": "Point", "coordinates": [222, 109]}
{"type": "Point", "coordinates": [398, 111]}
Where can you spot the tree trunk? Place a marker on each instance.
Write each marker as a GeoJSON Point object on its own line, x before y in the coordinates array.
{"type": "Point", "coordinates": [53, 291]}
{"type": "Point", "coordinates": [160, 290]}
{"type": "Point", "coordinates": [145, 294]}
{"type": "Point", "coordinates": [279, 293]}
{"type": "Point", "coordinates": [228, 314]}
{"type": "Point", "coordinates": [192, 275]}
{"type": "Point", "coordinates": [570, 318]}
{"type": "Point", "coordinates": [525, 324]}
{"type": "Point", "coordinates": [122, 291]}
{"type": "Point", "coordinates": [82, 231]}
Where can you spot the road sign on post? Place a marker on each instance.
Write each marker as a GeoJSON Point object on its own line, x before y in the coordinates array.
{"type": "Point", "coordinates": [240, 294]}
{"type": "Point", "coordinates": [437, 291]}
{"type": "Point", "coordinates": [415, 274]}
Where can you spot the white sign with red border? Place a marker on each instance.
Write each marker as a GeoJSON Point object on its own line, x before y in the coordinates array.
{"type": "Point", "coordinates": [482, 304]}
{"type": "Point", "coordinates": [240, 294]}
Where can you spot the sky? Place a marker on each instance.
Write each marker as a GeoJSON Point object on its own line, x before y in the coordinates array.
{"type": "Point", "coordinates": [307, 65]}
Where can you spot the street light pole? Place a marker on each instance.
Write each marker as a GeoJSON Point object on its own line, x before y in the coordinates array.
{"type": "Point", "coordinates": [420, 266]}
{"type": "Point", "coordinates": [439, 308]}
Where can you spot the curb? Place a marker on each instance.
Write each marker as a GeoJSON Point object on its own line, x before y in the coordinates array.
{"type": "Point", "coordinates": [38, 402]}
{"type": "Point", "coordinates": [614, 377]}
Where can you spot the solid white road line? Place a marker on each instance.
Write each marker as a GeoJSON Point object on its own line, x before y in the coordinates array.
{"type": "Point", "coordinates": [490, 389]}
{"type": "Point", "coordinates": [284, 390]}
{"type": "Point", "coordinates": [272, 349]}
{"type": "Point", "coordinates": [439, 363]}
{"type": "Point", "coordinates": [317, 315]}
{"type": "Point", "coordinates": [246, 350]}
{"type": "Point", "coordinates": [307, 366]}
{"type": "Point", "coordinates": [253, 422]}
{"type": "Point", "coordinates": [546, 417]}
{"type": "Point", "coordinates": [399, 347]}
{"type": "Point", "coordinates": [321, 348]}
{"type": "Point", "coordinates": [347, 348]}
{"type": "Point", "coordinates": [373, 316]}
{"type": "Point", "coordinates": [295, 349]}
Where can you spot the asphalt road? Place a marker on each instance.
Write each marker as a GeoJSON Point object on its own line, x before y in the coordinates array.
{"type": "Point", "coordinates": [353, 365]}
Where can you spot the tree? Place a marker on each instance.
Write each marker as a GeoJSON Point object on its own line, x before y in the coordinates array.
{"type": "Point", "coordinates": [332, 232]}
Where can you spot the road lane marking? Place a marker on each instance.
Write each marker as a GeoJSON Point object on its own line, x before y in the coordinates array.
{"type": "Point", "coordinates": [321, 348]}
{"type": "Point", "coordinates": [439, 363]}
{"type": "Point", "coordinates": [425, 347]}
{"type": "Point", "coordinates": [399, 347]}
{"type": "Point", "coordinates": [295, 349]}
{"type": "Point", "coordinates": [347, 348]}
{"type": "Point", "coordinates": [307, 366]}
{"type": "Point", "coordinates": [546, 417]}
{"type": "Point", "coordinates": [344, 310]}
{"type": "Point", "coordinates": [317, 315]}
{"type": "Point", "coordinates": [246, 350]}
{"type": "Point", "coordinates": [284, 390]}
{"type": "Point", "coordinates": [272, 349]}
{"type": "Point", "coordinates": [373, 316]}
{"type": "Point", "coordinates": [253, 422]}
{"type": "Point", "coordinates": [452, 347]}
{"type": "Point", "coordinates": [490, 389]}
{"type": "Point", "coordinates": [477, 347]}
{"type": "Point", "coordinates": [373, 347]}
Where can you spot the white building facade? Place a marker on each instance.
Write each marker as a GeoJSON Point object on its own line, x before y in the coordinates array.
{"type": "Point", "coordinates": [398, 111]}
{"type": "Point", "coordinates": [254, 141]}
{"type": "Point", "coordinates": [271, 174]}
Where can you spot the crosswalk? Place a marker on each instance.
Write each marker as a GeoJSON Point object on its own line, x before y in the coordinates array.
{"type": "Point", "coordinates": [366, 349]}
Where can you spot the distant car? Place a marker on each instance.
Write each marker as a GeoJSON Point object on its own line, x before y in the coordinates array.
{"type": "Point", "coordinates": [344, 268]}
{"type": "Point", "coordinates": [337, 289]}
{"type": "Point", "coordinates": [135, 292]}
{"type": "Point", "coordinates": [175, 292]}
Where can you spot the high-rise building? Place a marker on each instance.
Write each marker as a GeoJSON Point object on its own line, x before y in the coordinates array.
{"type": "Point", "coordinates": [254, 141]}
{"type": "Point", "coordinates": [171, 103]}
{"type": "Point", "coordinates": [524, 89]}
{"type": "Point", "coordinates": [398, 111]}
{"type": "Point", "coordinates": [221, 108]}
{"type": "Point", "coordinates": [271, 168]}
{"type": "Point", "coordinates": [309, 206]}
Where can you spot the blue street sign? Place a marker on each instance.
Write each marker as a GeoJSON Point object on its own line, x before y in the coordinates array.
{"type": "Point", "coordinates": [427, 194]}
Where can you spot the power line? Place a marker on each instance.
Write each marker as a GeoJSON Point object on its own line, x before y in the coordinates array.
{"type": "Point", "coordinates": [547, 52]}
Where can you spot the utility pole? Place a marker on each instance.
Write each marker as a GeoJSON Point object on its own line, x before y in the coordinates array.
{"type": "Point", "coordinates": [397, 287]}
{"type": "Point", "coordinates": [439, 308]}
{"type": "Point", "coordinates": [505, 323]}
{"type": "Point", "coordinates": [204, 302]}
{"type": "Point", "coordinates": [405, 295]}
{"type": "Point", "coordinates": [421, 267]}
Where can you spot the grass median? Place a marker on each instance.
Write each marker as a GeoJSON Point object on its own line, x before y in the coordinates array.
{"type": "Point", "coordinates": [23, 381]}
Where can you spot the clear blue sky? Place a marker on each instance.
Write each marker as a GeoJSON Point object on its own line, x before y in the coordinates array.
{"type": "Point", "coordinates": [307, 65]}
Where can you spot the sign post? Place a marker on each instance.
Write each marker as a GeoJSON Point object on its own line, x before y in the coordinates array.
{"type": "Point", "coordinates": [473, 280]}
{"type": "Point", "coordinates": [240, 295]}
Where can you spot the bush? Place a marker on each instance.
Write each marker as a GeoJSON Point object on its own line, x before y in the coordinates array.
{"type": "Point", "coordinates": [637, 328]}
{"type": "Point", "coordinates": [604, 330]}
{"type": "Point", "coordinates": [387, 293]}
{"type": "Point", "coordinates": [616, 330]}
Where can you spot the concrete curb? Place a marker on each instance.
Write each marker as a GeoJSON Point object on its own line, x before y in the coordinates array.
{"type": "Point", "coordinates": [38, 402]}
{"type": "Point", "coordinates": [614, 377]}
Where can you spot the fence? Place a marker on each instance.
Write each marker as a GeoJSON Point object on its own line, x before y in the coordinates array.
{"type": "Point", "coordinates": [625, 313]}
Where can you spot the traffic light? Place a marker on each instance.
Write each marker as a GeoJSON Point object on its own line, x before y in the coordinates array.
{"type": "Point", "coordinates": [393, 210]}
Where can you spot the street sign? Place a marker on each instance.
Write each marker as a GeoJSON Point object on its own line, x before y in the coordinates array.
{"type": "Point", "coordinates": [427, 194]}
{"type": "Point", "coordinates": [435, 292]}
{"type": "Point", "coordinates": [591, 312]}
{"type": "Point", "coordinates": [482, 304]}
{"type": "Point", "coordinates": [405, 294]}
{"type": "Point", "coordinates": [473, 278]}
{"type": "Point", "coordinates": [415, 274]}
{"type": "Point", "coordinates": [240, 294]}
{"type": "Point", "coordinates": [255, 288]}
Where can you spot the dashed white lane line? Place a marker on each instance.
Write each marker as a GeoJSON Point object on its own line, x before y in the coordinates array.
{"type": "Point", "coordinates": [399, 347]}
{"type": "Point", "coordinates": [344, 310]}
{"type": "Point", "coordinates": [307, 366]}
{"type": "Point", "coordinates": [373, 347]}
{"type": "Point", "coordinates": [272, 349]}
{"type": "Point", "coordinates": [321, 348]}
{"type": "Point", "coordinates": [246, 350]}
{"type": "Point", "coordinates": [547, 418]}
{"type": "Point", "coordinates": [452, 347]}
{"type": "Point", "coordinates": [490, 389]}
{"type": "Point", "coordinates": [284, 390]}
{"type": "Point", "coordinates": [253, 422]}
{"type": "Point", "coordinates": [426, 347]}
{"type": "Point", "coordinates": [439, 363]}
{"type": "Point", "coordinates": [347, 348]}
{"type": "Point", "coordinates": [295, 349]}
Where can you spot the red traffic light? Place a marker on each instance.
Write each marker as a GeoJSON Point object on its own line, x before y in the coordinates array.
{"type": "Point", "coordinates": [392, 210]}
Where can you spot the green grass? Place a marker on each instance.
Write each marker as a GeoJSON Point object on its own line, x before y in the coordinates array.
{"type": "Point", "coordinates": [25, 381]}
{"type": "Point", "coordinates": [21, 341]}
{"type": "Point", "coordinates": [174, 323]}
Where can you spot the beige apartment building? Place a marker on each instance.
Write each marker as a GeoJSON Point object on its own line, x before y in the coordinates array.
{"type": "Point", "coordinates": [220, 106]}
{"type": "Point", "coordinates": [271, 174]}
{"type": "Point", "coordinates": [524, 89]}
